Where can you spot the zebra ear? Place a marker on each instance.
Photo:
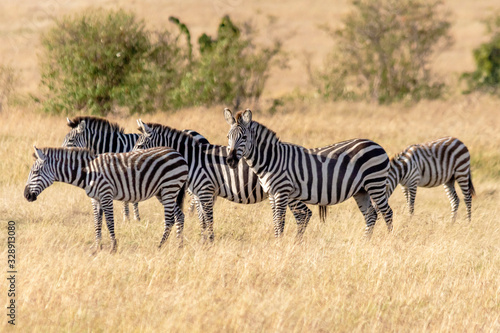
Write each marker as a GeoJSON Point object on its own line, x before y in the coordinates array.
{"type": "Point", "coordinates": [139, 123]}
{"type": "Point", "coordinates": [39, 154]}
{"type": "Point", "coordinates": [229, 116]}
{"type": "Point", "coordinates": [246, 117]}
{"type": "Point", "coordinates": [81, 126]}
{"type": "Point", "coordinates": [71, 123]}
{"type": "Point", "coordinates": [143, 128]}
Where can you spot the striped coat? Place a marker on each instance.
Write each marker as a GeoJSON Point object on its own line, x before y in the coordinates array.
{"type": "Point", "coordinates": [322, 176]}
{"type": "Point", "coordinates": [130, 177]}
{"type": "Point", "coordinates": [210, 176]}
{"type": "Point", "coordinates": [439, 162]}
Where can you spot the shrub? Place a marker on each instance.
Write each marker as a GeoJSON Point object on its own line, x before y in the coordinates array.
{"type": "Point", "coordinates": [102, 59]}
{"type": "Point", "coordinates": [383, 51]}
{"type": "Point", "coordinates": [98, 61]}
{"type": "Point", "coordinates": [486, 77]}
{"type": "Point", "coordinates": [230, 68]}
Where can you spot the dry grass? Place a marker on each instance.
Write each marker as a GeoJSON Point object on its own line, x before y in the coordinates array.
{"type": "Point", "coordinates": [429, 275]}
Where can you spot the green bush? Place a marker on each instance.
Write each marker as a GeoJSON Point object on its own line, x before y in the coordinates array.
{"type": "Point", "coordinates": [383, 50]}
{"type": "Point", "coordinates": [98, 61]}
{"type": "Point", "coordinates": [486, 77]}
{"type": "Point", "coordinates": [230, 69]}
{"type": "Point", "coordinates": [103, 59]}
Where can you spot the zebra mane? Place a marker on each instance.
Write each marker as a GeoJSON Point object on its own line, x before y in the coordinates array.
{"type": "Point", "coordinates": [92, 121]}
{"type": "Point", "coordinates": [58, 152]}
{"type": "Point", "coordinates": [159, 128]}
{"type": "Point", "coordinates": [260, 129]}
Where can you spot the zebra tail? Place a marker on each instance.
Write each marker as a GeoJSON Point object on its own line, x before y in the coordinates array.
{"type": "Point", "coordinates": [180, 197]}
{"type": "Point", "coordinates": [471, 187]}
{"type": "Point", "coordinates": [322, 213]}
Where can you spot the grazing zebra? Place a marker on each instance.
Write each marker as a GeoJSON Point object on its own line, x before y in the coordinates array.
{"type": "Point", "coordinates": [130, 177]}
{"type": "Point", "coordinates": [321, 176]}
{"type": "Point", "coordinates": [209, 175]}
{"type": "Point", "coordinates": [102, 136]}
{"type": "Point", "coordinates": [430, 164]}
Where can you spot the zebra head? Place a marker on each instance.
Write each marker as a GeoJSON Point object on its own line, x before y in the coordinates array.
{"type": "Point", "coordinates": [77, 136]}
{"type": "Point", "coordinates": [41, 176]}
{"type": "Point", "coordinates": [146, 139]}
{"type": "Point", "coordinates": [240, 139]}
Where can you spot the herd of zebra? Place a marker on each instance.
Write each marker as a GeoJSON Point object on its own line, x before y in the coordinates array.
{"type": "Point", "coordinates": [161, 161]}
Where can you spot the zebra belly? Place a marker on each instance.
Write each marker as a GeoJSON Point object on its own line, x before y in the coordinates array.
{"type": "Point", "coordinates": [325, 194]}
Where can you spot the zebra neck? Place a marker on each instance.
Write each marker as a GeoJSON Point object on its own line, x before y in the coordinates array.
{"type": "Point", "coordinates": [265, 155]}
{"type": "Point", "coordinates": [398, 171]}
{"type": "Point", "coordinates": [108, 142]}
{"type": "Point", "coordinates": [182, 142]}
{"type": "Point", "coordinates": [72, 171]}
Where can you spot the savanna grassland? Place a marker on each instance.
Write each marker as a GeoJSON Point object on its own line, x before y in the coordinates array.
{"type": "Point", "coordinates": [428, 275]}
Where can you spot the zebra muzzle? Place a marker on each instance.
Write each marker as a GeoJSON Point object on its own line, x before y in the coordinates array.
{"type": "Point", "coordinates": [30, 196]}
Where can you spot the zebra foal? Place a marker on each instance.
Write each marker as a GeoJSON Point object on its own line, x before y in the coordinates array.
{"type": "Point", "coordinates": [130, 177]}
{"type": "Point", "coordinates": [442, 161]}
{"type": "Point", "coordinates": [321, 176]}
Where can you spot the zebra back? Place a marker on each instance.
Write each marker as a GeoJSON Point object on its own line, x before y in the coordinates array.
{"type": "Point", "coordinates": [430, 164]}
{"type": "Point", "coordinates": [98, 134]}
{"type": "Point", "coordinates": [208, 167]}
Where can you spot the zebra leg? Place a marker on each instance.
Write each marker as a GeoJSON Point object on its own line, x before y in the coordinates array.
{"type": "Point", "coordinates": [201, 219]}
{"type": "Point", "coordinates": [192, 204]}
{"type": "Point", "coordinates": [179, 224]}
{"type": "Point", "coordinates": [167, 199]}
{"type": "Point", "coordinates": [302, 216]}
{"type": "Point", "coordinates": [449, 188]}
{"type": "Point", "coordinates": [278, 205]}
{"type": "Point", "coordinates": [126, 214]}
{"type": "Point", "coordinates": [107, 207]}
{"type": "Point", "coordinates": [97, 224]}
{"type": "Point", "coordinates": [467, 188]}
{"type": "Point", "coordinates": [381, 202]}
{"type": "Point", "coordinates": [370, 214]}
{"type": "Point", "coordinates": [136, 212]}
{"type": "Point", "coordinates": [207, 207]}
{"type": "Point", "coordinates": [412, 189]}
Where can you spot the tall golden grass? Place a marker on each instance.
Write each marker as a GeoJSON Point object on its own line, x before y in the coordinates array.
{"type": "Point", "coordinates": [429, 275]}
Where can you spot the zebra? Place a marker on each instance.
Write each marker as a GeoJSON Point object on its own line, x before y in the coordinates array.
{"type": "Point", "coordinates": [131, 177]}
{"type": "Point", "coordinates": [210, 176]}
{"type": "Point", "coordinates": [102, 136]}
{"type": "Point", "coordinates": [322, 176]}
{"type": "Point", "coordinates": [430, 164]}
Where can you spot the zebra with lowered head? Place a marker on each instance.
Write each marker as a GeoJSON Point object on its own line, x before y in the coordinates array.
{"type": "Point", "coordinates": [321, 176]}
{"type": "Point", "coordinates": [130, 177]}
{"type": "Point", "coordinates": [103, 136]}
{"type": "Point", "coordinates": [442, 161]}
{"type": "Point", "coordinates": [210, 176]}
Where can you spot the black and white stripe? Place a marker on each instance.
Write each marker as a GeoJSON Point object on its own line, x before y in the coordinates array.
{"type": "Point", "coordinates": [129, 177]}
{"type": "Point", "coordinates": [439, 162]}
{"type": "Point", "coordinates": [210, 176]}
{"type": "Point", "coordinates": [321, 176]}
{"type": "Point", "coordinates": [102, 136]}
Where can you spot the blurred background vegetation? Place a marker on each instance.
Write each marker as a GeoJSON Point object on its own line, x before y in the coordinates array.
{"type": "Point", "coordinates": [102, 61]}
